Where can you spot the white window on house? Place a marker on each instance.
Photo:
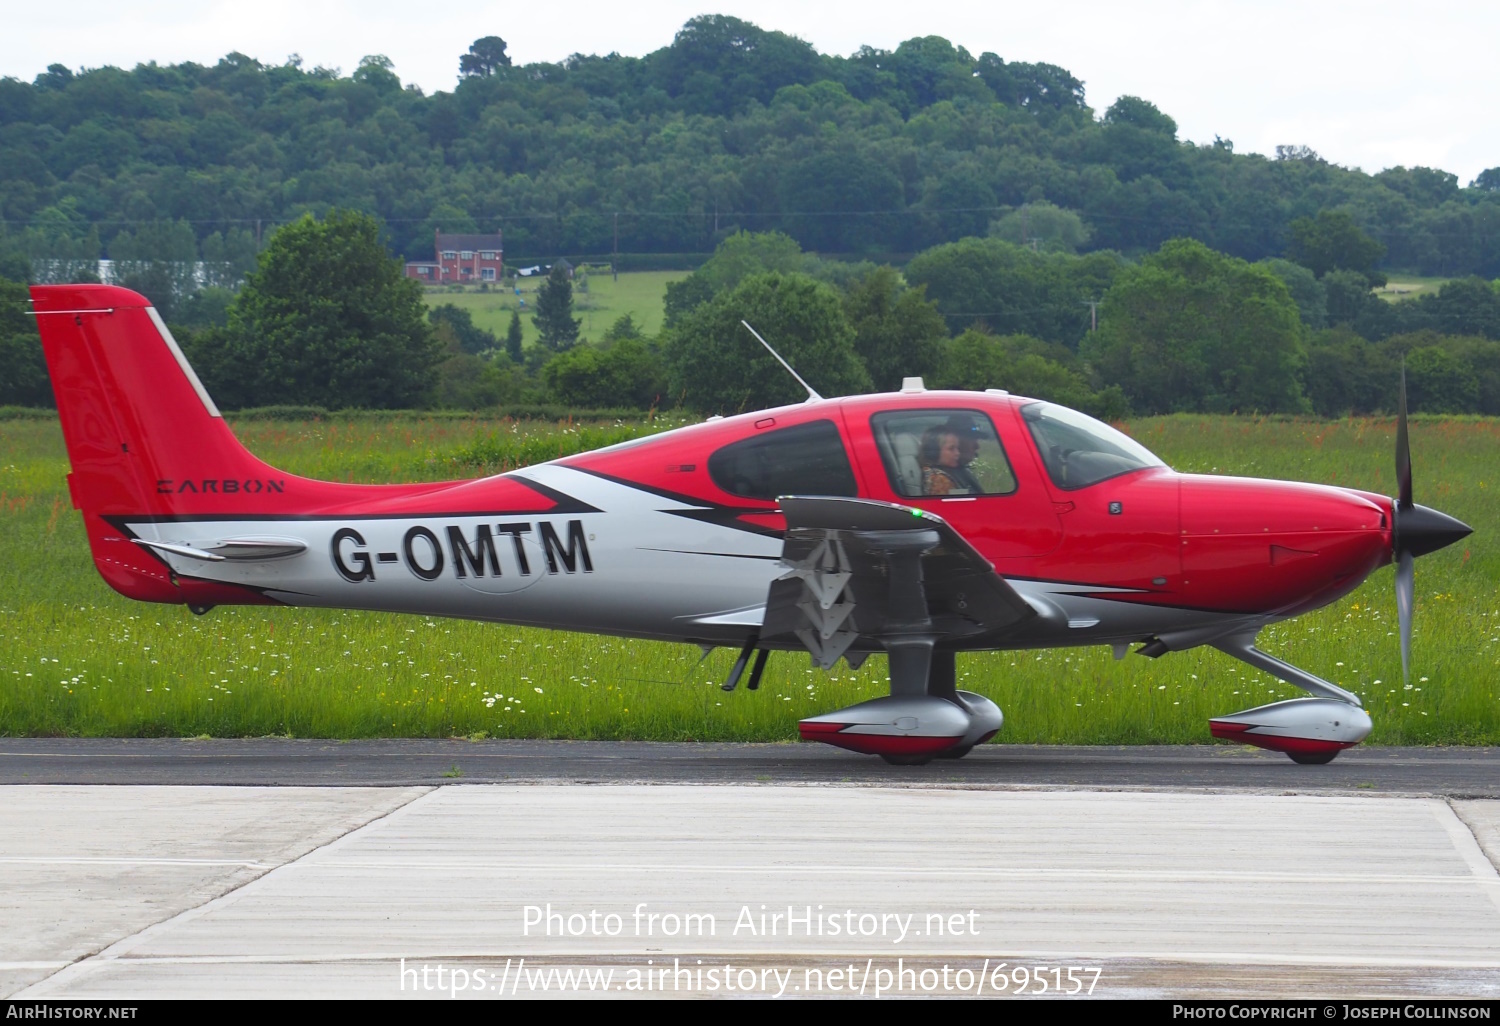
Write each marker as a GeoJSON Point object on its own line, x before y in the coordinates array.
{"type": "Point", "coordinates": [486, 254]}
{"type": "Point", "coordinates": [449, 254]}
{"type": "Point", "coordinates": [425, 272]}
{"type": "Point", "coordinates": [487, 273]}
{"type": "Point", "coordinates": [467, 254]}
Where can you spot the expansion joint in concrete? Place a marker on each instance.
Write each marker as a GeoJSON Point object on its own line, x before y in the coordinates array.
{"type": "Point", "coordinates": [228, 896]}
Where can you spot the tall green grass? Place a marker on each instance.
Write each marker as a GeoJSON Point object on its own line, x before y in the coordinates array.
{"type": "Point", "coordinates": [637, 293]}
{"type": "Point", "coordinates": [76, 659]}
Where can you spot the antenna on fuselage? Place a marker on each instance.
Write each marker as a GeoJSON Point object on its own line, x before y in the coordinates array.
{"type": "Point", "coordinates": [810, 393]}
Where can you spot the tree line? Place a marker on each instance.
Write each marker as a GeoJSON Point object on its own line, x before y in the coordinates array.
{"type": "Point", "coordinates": [883, 154]}
{"type": "Point", "coordinates": [327, 319]}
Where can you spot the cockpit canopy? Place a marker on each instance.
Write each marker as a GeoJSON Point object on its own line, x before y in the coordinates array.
{"type": "Point", "coordinates": [1078, 450]}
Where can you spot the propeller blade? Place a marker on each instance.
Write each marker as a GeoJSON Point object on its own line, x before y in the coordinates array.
{"type": "Point", "coordinates": [1405, 589]}
{"type": "Point", "coordinates": [1403, 448]}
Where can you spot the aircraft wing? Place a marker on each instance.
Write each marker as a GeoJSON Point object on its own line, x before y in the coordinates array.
{"type": "Point", "coordinates": [852, 577]}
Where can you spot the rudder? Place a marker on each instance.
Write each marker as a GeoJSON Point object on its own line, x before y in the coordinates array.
{"type": "Point", "coordinates": [143, 435]}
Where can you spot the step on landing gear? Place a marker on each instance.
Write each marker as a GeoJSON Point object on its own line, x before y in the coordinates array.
{"type": "Point", "coordinates": [912, 729]}
{"type": "Point", "coordinates": [925, 716]}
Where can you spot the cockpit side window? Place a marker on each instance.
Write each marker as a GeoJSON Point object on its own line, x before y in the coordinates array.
{"type": "Point", "coordinates": [1078, 450]}
{"type": "Point", "coordinates": [807, 459]}
{"type": "Point", "coordinates": [942, 452]}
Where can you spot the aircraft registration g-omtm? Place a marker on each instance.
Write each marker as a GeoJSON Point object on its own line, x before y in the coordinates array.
{"type": "Point", "coordinates": [920, 524]}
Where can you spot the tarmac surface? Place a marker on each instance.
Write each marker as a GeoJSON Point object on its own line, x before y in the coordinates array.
{"type": "Point", "coordinates": [131, 892]}
{"type": "Point", "coordinates": [1448, 772]}
{"type": "Point", "coordinates": [431, 869]}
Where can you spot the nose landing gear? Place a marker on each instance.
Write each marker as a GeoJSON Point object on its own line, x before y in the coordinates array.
{"type": "Point", "coordinates": [1311, 731]}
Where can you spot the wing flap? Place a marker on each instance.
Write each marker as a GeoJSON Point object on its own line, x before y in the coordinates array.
{"type": "Point", "coordinates": [837, 593]}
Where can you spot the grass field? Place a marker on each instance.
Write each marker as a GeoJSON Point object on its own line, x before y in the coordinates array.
{"type": "Point", "coordinates": [76, 659]}
{"type": "Point", "coordinates": [1406, 286]}
{"type": "Point", "coordinates": [637, 293]}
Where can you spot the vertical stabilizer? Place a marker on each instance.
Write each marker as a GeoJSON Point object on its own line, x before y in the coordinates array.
{"type": "Point", "coordinates": [143, 436]}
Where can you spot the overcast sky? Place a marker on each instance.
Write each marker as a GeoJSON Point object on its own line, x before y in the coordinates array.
{"type": "Point", "coordinates": [1366, 83]}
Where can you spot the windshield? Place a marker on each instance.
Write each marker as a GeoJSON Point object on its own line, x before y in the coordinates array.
{"type": "Point", "coordinates": [1078, 450]}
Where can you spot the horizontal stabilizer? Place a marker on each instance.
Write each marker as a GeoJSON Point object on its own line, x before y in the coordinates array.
{"type": "Point", "coordinates": [236, 549]}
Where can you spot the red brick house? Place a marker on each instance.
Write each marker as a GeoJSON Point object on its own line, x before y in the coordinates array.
{"type": "Point", "coordinates": [461, 259]}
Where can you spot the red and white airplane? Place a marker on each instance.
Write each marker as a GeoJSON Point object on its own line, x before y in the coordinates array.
{"type": "Point", "coordinates": [919, 523]}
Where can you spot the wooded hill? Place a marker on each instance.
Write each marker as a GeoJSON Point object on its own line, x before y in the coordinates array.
{"type": "Point", "coordinates": [883, 153]}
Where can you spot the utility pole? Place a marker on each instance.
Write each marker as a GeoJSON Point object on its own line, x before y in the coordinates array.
{"type": "Point", "coordinates": [257, 235]}
{"type": "Point", "coordinates": [1093, 305]}
{"type": "Point", "coordinates": [614, 261]}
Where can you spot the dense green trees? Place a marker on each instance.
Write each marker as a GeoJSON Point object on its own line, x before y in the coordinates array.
{"type": "Point", "coordinates": [625, 370]}
{"type": "Point", "coordinates": [1189, 329]}
{"type": "Point", "coordinates": [1012, 290]}
{"type": "Point", "coordinates": [456, 325]}
{"type": "Point", "coordinates": [23, 372]}
{"type": "Point", "coordinates": [1182, 329]}
{"type": "Point", "coordinates": [897, 332]}
{"type": "Point", "coordinates": [1026, 366]}
{"type": "Point", "coordinates": [1333, 242]}
{"type": "Point", "coordinates": [729, 127]}
{"type": "Point", "coordinates": [1347, 373]}
{"type": "Point", "coordinates": [1043, 225]}
{"type": "Point", "coordinates": [327, 319]}
{"type": "Point", "coordinates": [717, 366]}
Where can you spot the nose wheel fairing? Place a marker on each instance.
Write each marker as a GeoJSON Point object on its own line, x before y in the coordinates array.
{"type": "Point", "coordinates": [1298, 727]}
{"type": "Point", "coordinates": [1308, 730]}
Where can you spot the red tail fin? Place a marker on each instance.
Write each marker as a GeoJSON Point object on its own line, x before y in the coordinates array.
{"type": "Point", "coordinates": [142, 433]}
{"type": "Point", "coordinates": [148, 444]}
{"type": "Point", "coordinates": [143, 436]}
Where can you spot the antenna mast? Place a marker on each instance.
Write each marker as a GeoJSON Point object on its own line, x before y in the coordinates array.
{"type": "Point", "coordinates": [810, 393]}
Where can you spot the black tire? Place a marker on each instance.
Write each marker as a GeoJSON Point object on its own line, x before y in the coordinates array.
{"type": "Point", "coordinates": [1312, 758]}
{"type": "Point", "coordinates": [907, 760]}
{"type": "Point", "coordinates": [956, 752]}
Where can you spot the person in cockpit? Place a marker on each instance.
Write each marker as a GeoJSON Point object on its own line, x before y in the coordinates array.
{"type": "Point", "coordinates": [940, 456]}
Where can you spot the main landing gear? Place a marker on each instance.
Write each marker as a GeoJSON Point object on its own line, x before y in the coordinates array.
{"type": "Point", "coordinates": [925, 716]}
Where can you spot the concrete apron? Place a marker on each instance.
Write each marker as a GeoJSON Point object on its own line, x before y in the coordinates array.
{"type": "Point", "coordinates": [679, 890]}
